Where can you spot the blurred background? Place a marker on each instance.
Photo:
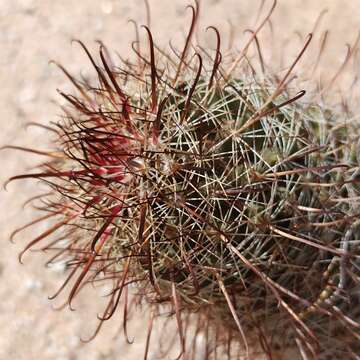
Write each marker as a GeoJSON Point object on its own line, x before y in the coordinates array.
{"type": "Point", "coordinates": [33, 32]}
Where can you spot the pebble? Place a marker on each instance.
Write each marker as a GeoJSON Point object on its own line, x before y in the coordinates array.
{"type": "Point", "coordinates": [33, 285]}
{"type": "Point", "coordinates": [107, 7]}
{"type": "Point", "coordinates": [26, 94]}
{"type": "Point", "coordinates": [28, 6]}
{"type": "Point", "coordinates": [58, 267]}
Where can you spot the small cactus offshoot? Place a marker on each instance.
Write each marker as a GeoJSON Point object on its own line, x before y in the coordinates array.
{"type": "Point", "coordinates": [213, 191]}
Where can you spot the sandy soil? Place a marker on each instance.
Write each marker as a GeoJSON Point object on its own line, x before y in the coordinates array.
{"type": "Point", "coordinates": [32, 32]}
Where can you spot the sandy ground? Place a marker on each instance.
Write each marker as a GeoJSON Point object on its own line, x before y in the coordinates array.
{"type": "Point", "coordinates": [32, 32]}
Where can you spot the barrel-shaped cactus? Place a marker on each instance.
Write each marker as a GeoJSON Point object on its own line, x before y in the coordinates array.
{"type": "Point", "coordinates": [216, 192]}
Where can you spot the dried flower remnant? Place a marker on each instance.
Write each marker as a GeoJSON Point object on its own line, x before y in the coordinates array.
{"type": "Point", "coordinates": [219, 193]}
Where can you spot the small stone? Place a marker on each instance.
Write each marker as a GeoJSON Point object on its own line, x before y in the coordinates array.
{"type": "Point", "coordinates": [58, 267]}
{"type": "Point", "coordinates": [107, 7]}
{"type": "Point", "coordinates": [26, 94]}
{"type": "Point", "coordinates": [73, 341]}
{"type": "Point", "coordinates": [28, 6]}
{"type": "Point", "coordinates": [33, 285]}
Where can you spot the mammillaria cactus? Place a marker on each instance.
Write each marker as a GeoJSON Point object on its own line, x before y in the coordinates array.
{"type": "Point", "coordinates": [218, 192]}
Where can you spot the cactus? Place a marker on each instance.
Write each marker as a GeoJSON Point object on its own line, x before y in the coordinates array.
{"type": "Point", "coordinates": [213, 192]}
